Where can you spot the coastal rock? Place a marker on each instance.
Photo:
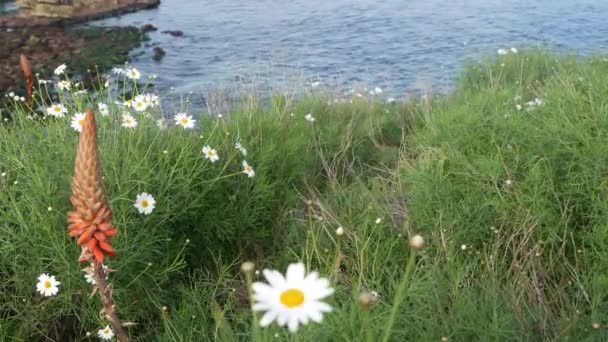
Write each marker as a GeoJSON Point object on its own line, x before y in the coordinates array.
{"type": "Point", "coordinates": [174, 33]}
{"type": "Point", "coordinates": [148, 28]}
{"type": "Point", "coordinates": [159, 53]}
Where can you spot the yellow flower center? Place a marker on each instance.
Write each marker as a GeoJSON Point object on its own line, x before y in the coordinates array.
{"type": "Point", "coordinates": [210, 154]}
{"type": "Point", "coordinates": [185, 121]}
{"type": "Point", "coordinates": [144, 203]}
{"type": "Point", "coordinates": [106, 332]}
{"type": "Point", "coordinates": [57, 109]}
{"type": "Point", "coordinates": [81, 122]}
{"type": "Point", "coordinates": [292, 298]}
{"type": "Point", "coordinates": [249, 169]}
{"type": "Point", "coordinates": [47, 284]}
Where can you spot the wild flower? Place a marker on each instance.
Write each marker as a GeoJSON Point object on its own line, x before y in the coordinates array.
{"type": "Point", "coordinates": [514, 50]}
{"type": "Point", "coordinates": [210, 154]}
{"type": "Point", "coordinates": [47, 285]}
{"type": "Point", "coordinates": [103, 109]}
{"type": "Point", "coordinates": [119, 71]}
{"type": "Point", "coordinates": [56, 110]}
{"type": "Point", "coordinates": [161, 123]}
{"type": "Point", "coordinates": [128, 103]}
{"type": "Point", "coordinates": [78, 121]}
{"type": "Point", "coordinates": [89, 276]}
{"type": "Point", "coordinates": [145, 203]}
{"type": "Point", "coordinates": [64, 85]}
{"type": "Point", "coordinates": [378, 220]}
{"type": "Point", "coordinates": [81, 92]}
{"type": "Point", "coordinates": [60, 69]}
{"type": "Point", "coordinates": [503, 51]}
{"type": "Point", "coordinates": [377, 90]}
{"type": "Point", "coordinates": [128, 121]}
{"type": "Point", "coordinates": [240, 147]}
{"type": "Point", "coordinates": [105, 333]}
{"type": "Point", "coordinates": [44, 82]}
{"type": "Point", "coordinates": [139, 103]}
{"type": "Point", "coordinates": [184, 120]}
{"type": "Point", "coordinates": [133, 73]}
{"type": "Point", "coordinates": [91, 218]}
{"type": "Point", "coordinates": [293, 299]}
{"type": "Point", "coordinates": [339, 231]}
{"type": "Point", "coordinates": [248, 170]}
{"type": "Point", "coordinates": [309, 117]}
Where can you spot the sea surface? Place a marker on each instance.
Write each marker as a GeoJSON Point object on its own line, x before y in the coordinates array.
{"type": "Point", "coordinates": [395, 45]}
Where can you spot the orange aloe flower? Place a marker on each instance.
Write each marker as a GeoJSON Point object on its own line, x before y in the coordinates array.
{"type": "Point", "coordinates": [91, 220]}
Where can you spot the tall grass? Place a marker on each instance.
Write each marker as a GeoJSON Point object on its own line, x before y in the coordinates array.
{"type": "Point", "coordinates": [511, 203]}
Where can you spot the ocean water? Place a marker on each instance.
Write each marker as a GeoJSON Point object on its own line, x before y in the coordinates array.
{"type": "Point", "coordinates": [397, 45]}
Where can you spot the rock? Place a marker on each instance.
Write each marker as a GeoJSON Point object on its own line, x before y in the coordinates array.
{"type": "Point", "coordinates": [148, 28]}
{"type": "Point", "coordinates": [174, 33]}
{"type": "Point", "coordinates": [159, 53]}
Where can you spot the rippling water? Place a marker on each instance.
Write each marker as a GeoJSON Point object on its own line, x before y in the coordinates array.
{"type": "Point", "coordinates": [393, 44]}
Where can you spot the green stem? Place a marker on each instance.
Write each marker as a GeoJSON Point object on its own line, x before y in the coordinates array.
{"type": "Point", "coordinates": [254, 320]}
{"type": "Point", "coordinates": [399, 296]}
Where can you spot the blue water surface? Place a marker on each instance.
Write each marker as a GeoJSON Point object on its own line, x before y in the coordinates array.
{"type": "Point", "coordinates": [397, 45]}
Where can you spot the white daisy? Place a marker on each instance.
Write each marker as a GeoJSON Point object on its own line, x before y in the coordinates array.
{"type": "Point", "coordinates": [119, 71]}
{"type": "Point", "coordinates": [291, 300]}
{"type": "Point", "coordinates": [47, 285]}
{"type": "Point", "coordinates": [105, 333]}
{"type": "Point", "coordinates": [248, 170]}
{"type": "Point", "coordinates": [309, 117]}
{"type": "Point", "coordinates": [514, 50]}
{"type": "Point", "coordinates": [211, 154]}
{"type": "Point", "coordinates": [60, 69]}
{"type": "Point", "coordinates": [151, 100]}
{"type": "Point", "coordinates": [133, 74]}
{"type": "Point", "coordinates": [241, 148]}
{"type": "Point", "coordinates": [103, 109]}
{"type": "Point", "coordinates": [502, 51]}
{"type": "Point", "coordinates": [78, 121]}
{"type": "Point", "coordinates": [161, 123]}
{"type": "Point", "coordinates": [64, 85]}
{"type": "Point", "coordinates": [128, 121]}
{"type": "Point", "coordinates": [139, 103]}
{"type": "Point", "coordinates": [128, 103]}
{"type": "Point", "coordinates": [56, 110]}
{"type": "Point", "coordinates": [378, 90]}
{"type": "Point", "coordinates": [88, 276]}
{"type": "Point", "coordinates": [145, 203]}
{"type": "Point", "coordinates": [184, 120]}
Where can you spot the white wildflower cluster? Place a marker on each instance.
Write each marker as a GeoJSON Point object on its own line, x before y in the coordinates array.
{"type": "Point", "coordinates": [503, 52]}
{"type": "Point", "coordinates": [529, 105]}
{"type": "Point", "coordinates": [15, 97]}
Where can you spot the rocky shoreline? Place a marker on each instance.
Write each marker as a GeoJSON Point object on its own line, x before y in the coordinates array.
{"type": "Point", "coordinates": [82, 48]}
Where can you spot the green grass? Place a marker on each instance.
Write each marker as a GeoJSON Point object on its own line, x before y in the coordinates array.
{"type": "Point", "coordinates": [523, 190]}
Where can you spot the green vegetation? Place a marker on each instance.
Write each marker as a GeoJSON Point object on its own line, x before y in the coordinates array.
{"type": "Point", "coordinates": [512, 204]}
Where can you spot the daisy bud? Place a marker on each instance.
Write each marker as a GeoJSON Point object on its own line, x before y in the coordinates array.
{"type": "Point", "coordinates": [365, 299]}
{"type": "Point", "coordinates": [596, 325]}
{"type": "Point", "coordinates": [339, 231]}
{"type": "Point", "coordinates": [417, 242]}
{"type": "Point", "coordinates": [444, 339]}
{"type": "Point", "coordinates": [247, 267]}
{"type": "Point", "coordinates": [309, 202]}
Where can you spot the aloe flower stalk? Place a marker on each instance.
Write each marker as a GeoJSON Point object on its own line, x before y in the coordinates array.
{"type": "Point", "coordinates": [29, 81]}
{"type": "Point", "coordinates": [91, 220]}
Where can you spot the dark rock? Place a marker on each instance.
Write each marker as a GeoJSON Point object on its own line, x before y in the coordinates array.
{"type": "Point", "coordinates": [174, 33]}
{"type": "Point", "coordinates": [159, 53]}
{"type": "Point", "coordinates": [148, 28]}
